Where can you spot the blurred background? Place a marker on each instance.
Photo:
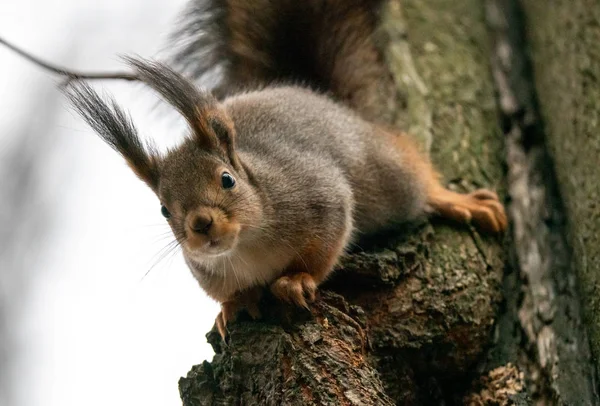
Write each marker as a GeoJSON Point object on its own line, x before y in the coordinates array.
{"type": "Point", "coordinates": [79, 321]}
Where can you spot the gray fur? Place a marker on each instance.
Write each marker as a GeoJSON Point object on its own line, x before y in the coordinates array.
{"type": "Point", "coordinates": [303, 147]}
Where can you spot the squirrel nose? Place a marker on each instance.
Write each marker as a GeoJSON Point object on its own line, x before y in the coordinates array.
{"type": "Point", "coordinates": [202, 223]}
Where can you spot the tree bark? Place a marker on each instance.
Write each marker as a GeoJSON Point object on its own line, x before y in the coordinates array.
{"type": "Point", "coordinates": [318, 358]}
{"type": "Point", "coordinates": [403, 321]}
{"type": "Point", "coordinates": [543, 319]}
{"type": "Point", "coordinates": [555, 214]}
{"type": "Point", "coordinates": [564, 42]}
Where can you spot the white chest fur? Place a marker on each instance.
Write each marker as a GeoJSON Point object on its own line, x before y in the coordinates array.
{"type": "Point", "coordinates": [244, 267]}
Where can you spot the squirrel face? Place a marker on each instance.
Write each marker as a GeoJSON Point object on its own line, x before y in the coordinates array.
{"type": "Point", "coordinates": [206, 194]}
{"type": "Point", "coordinates": [208, 203]}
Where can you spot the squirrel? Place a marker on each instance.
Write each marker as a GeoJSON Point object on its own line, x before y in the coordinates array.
{"type": "Point", "coordinates": [286, 160]}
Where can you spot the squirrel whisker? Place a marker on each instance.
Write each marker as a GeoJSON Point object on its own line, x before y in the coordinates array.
{"type": "Point", "coordinates": [170, 248]}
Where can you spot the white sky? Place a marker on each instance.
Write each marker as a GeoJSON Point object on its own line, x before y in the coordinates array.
{"type": "Point", "coordinates": [93, 332]}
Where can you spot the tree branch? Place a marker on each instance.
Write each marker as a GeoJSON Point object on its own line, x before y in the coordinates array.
{"type": "Point", "coordinates": [69, 74]}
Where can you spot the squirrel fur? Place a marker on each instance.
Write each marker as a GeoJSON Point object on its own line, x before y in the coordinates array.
{"type": "Point", "coordinates": [275, 179]}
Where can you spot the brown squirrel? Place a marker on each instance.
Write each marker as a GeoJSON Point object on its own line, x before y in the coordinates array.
{"type": "Point", "coordinates": [274, 180]}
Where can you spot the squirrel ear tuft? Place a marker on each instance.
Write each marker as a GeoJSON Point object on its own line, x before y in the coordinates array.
{"type": "Point", "coordinates": [209, 123]}
{"type": "Point", "coordinates": [115, 127]}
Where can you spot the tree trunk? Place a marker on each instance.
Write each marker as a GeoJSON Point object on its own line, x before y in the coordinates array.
{"type": "Point", "coordinates": [405, 320]}
{"type": "Point", "coordinates": [565, 50]}
{"type": "Point", "coordinates": [544, 317]}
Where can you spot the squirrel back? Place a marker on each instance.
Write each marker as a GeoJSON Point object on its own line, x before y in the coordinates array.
{"type": "Point", "coordinates": [327, 45]}
{"type": "Point", "coordinates": [299, 133]}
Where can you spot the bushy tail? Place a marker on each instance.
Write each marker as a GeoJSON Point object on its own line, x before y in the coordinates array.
{"type": "Point", "coordinates": [329, 45]}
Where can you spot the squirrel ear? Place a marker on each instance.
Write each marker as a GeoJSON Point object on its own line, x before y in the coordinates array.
{"type": "Point", "coordinates": [222, 126]}
{"type": "Point", "coordinates": [116, 128]}
{"type": "Point", "coordinates": [210, 124]}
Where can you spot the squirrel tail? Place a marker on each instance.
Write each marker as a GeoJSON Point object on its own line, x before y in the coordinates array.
{"type": "Point", "coordinates": [327, 45]}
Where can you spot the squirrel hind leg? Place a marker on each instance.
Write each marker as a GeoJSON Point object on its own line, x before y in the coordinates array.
{"type": "Point", "coordinates": [482, 208]}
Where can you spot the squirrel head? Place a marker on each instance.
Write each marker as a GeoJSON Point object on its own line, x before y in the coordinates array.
{"type": "Point", "coordinates": [207, 195]}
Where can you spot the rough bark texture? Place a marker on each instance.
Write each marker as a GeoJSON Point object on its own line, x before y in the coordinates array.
{"type": "Point", "coordinates": [415, 311]}
{"type": "Point", "coordinates": [298, 359]}
{"type": "Point", "coordinates": [563, 37]}
{"type": "Point", "coordinates": [555, 349]}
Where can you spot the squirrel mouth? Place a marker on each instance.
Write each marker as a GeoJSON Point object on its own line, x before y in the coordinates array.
{"type": "Point", "coordinates": [212, 248]}
{"type": "Point", "coordinates": [215, 248]}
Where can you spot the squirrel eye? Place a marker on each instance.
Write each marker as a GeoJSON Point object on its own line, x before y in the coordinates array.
{"type": "Point", "coordinates": [165, 212]}
{"type": "Point", "coordinates": [227, 181]}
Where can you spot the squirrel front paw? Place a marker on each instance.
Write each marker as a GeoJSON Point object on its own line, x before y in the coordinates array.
{"type": "Point", "coordinates": [231, 308]}
{"type": "Point", "coordinates": [482, 208]}
{"type": "Point", "coordinates": [298, 288]}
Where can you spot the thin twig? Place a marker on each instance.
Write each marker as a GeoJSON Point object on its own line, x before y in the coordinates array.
{"type": "Point", "coordinates": [69, 74]}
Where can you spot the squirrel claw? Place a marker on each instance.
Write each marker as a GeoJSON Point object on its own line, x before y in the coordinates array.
{"type": "Point", "coordinates": [221, 327]}
{"type": "Point", "coordinates": [228, 313]}
{"type": "Point", "coordinates": [481, 207]}
{"type": "Point", "coordinates": [298, 288]}
{"type": "Point", "coordinates": [484, 194]}
{"type": "Point", "coordinates": [486, 211]}
{"type": "Point", "coordinates": [248, 300]}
